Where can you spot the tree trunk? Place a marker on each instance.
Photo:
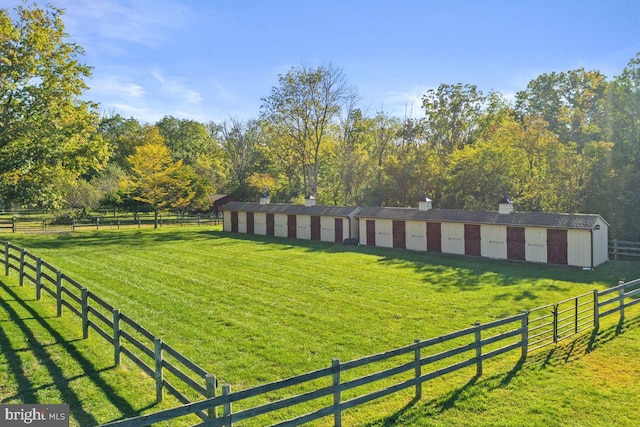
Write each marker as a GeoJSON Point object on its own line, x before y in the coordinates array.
{"type": "Point", "coordinates": [155, 219]}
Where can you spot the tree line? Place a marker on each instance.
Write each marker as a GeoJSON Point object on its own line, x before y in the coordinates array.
{"type": "Point", "coordinates": [568, 142]}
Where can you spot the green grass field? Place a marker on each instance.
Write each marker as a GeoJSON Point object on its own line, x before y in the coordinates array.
{"type": "Point", "coordinates": [256, 309]}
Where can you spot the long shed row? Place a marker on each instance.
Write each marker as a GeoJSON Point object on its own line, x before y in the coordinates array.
{"type": "Point", "coordinates": [570, 239]}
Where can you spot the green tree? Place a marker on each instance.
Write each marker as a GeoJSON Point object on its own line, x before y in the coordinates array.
{"type": "Point", "coordinates": [452, 113]}
{"type": "Point", "coordinates": [123, 136]}
{"type": "Point", "coordinates": [242, 143]}
{"type": "Point", "coordinates": [158, 180]}
{"type": "Point", "coordinates": [188, 140]}
{"type": "Point", "coordinates": [47, 133]}
{"type": "Point", "coordinates": [303, 106]}
{"type": "Point", "coordinates": [572, 103]}
{"type": "Point", "coordinates": [623, 129]}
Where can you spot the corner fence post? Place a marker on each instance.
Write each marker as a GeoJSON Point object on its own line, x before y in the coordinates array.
{"type": "Point", "coordinates": [525, 334]}
{"type": "Point", "coordinates": [211, 381]}
{"type": "Point", "coordinates": [596, 310]}
{"type": "Point", "coordinates": [85, 313]}
{"type": "Point", "coordinates": [418, 370]}
{"type": "Point", "coordinates": [6, 258]}
{"type": "Point", "coordinates": [337, 412]}
{"type": "Point", "coordinates": [226, 407]}
{"type": "Point", "coordinates": [59, 293]}
{"type": "Point", "coordinates": [478, 342]}
{"type": "Point", "coordinates": [116, 337]}
{"type": "Point", "coordinates": [158, 376]}
{"type": "Point", "coordinates": [22, 252]}
{"type": "Point", "coordinates": [38, 279]}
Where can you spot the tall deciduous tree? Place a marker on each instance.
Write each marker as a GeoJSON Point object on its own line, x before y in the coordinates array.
{"type": "Point", "coordinates": [572, 103]}
{"type": "Point", "coordinates": [188, 140]}
{"type": "Point", "coordinates": [123, 136]}
{"type": "Point", "coordinates": [452, 112]}
{"type": "Point", "coordinates": [158, 180]}
{"type": "Point", "coordinates": [47, 133]}
{"type": "Point", "coordinates": [303, 106]}
{"type": "Point", "coordinates": [241, 142]}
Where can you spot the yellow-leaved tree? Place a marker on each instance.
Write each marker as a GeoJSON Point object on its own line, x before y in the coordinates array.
{"type": "Point", "coordinates": [158, 180]}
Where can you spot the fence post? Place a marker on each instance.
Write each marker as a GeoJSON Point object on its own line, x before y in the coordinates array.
{"type": "Point", "coordinates": [226, 407]}
{"type": "Point", "coordinates": [596, 310]}
{"type": "Point", "coordinates": [85, 313]}
{"type": "Point", "coordinates": [417, 359]}
{"type": "Point", "coordinates": [38, 279]}
{"type": "Point", "coordinates": [575, 330]}
{"type": "Point", "coordinates": [13, 224]}
{"type": "Point", "coordinates": [615, 249]}
{"type": "Point", "coordinates": [22, 252]}
{"type": "Point", "coordinates": [337, 412]}
{"type": "Point", "coordinates": [525, 334]}
{"type": "Point", "coordinates": [73, 225]}
{"type": "Point", "coordinates": [158, 376]}
{"type": "Point", "coordinates": [478, 338]}
{"type": "Point", "coordinates": [97, 223]}
{"type": "Point", "coordinates": [555, 323]}
{"type": "Point", "coordinates": [59, 293]}
{"type": "Point", "coordinates": [211, 381]}
{"type": "Point", "coordinates": [621, 297]}
{"type": "Point", "coordinates": [116, 337]}
{"type": "Point", "coordinates": [6, 258]}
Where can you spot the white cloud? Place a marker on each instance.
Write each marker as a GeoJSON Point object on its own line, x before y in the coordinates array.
{"type": "Point", "coordinates": [104, 23]}
{"type": "Point", "coordinates": [405, 103]}
{"type": "Point", "coordinates": [175, 86]}
{"type": "Point", "coordinates": [116, 85]}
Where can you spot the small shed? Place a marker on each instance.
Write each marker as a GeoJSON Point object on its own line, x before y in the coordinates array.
{"type": "Point", "coordinates": [308, 222]}
{"type": "Point", "coordinates": [570, 239]}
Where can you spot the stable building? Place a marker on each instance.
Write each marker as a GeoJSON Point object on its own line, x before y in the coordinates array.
{"type": "Point", "coordinates": [570, 239]}
{"type": "Point", "coordinates": [308, 222]}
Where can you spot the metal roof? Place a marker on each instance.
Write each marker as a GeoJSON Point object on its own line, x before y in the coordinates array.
{"type": "Point", "coordinates": [291, 209]}
{"type": "Point", "coordinates": [533, 219]}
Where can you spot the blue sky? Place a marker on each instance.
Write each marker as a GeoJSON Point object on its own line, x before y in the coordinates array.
{"type": "Point", "coordinates": [212, 60]}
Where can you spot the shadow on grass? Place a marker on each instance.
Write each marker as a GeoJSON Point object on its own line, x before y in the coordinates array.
{"type": "Point", "coordinates": [445, 270]}
{"type": "Point", "coordinates": [561, 354]}
{"type": "Point", "coordinates": [26, 392]}
{"type": "Point", "coordinates": [440, 271]}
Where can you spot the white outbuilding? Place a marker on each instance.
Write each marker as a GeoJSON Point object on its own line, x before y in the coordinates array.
{"type": "Point", "coordinates": [570, 239]}
{"type": "Point", "coordinates": [308, 222]}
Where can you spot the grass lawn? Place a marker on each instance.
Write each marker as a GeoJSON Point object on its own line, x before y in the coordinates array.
{"type": "Point", "coordinates": [256, 309]}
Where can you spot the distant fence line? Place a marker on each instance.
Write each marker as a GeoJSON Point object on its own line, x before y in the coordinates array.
{"type": "Point", "coordinates": [97, 222]}
{"type": "Point", "coordinates": [341, 382]}
{"type": "Point", "coordinates": [624, 248]}
{"type": "Point", "coordinates": [154, 356]}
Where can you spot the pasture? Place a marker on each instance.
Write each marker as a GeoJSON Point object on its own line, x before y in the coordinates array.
{"type": "Point", "coordinates": [256, 309]}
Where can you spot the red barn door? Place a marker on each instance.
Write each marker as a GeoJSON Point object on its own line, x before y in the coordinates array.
{"type": "Point", "coordinates": [557, 246]}
{"type": "Point", "coordinates": [434, 237]}
{"type": "Point", "coordinates": [472, 239]}
{"type": "Point", "coordinates": [516, 248]}
{"type": "Point", "coordinates": [315, 228]}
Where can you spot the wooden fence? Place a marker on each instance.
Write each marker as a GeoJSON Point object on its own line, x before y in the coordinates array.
{"type": "Point", "coordinates": [422, 362]}
{"type": "Point", "coordinates": [335, 388]}
{"type": "Point", "coordinates": [622, 248]}
{"type": "Point", "coordinates": [35, 224]}
{"type": "Point", "coordinates": [172, 371]}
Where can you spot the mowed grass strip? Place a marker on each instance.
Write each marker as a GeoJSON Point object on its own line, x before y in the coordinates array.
{"type": "Point", "coordinates": [256, 309]}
